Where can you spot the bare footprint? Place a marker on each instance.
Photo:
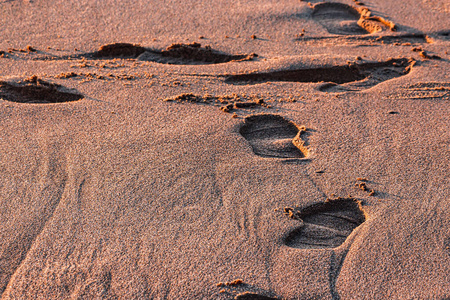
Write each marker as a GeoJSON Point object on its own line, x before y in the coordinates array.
{"type": "Point", "coordinates": [273, 136]}
{"type": "Point", "coordinates": [34, 90]}
{"type": "Point", "coordinates": [179, 54]}
{"type": "Point", "coordinates": [326, 225]}
{"type": "Point", "coordinates": [357, 76]}
{"type": "Point", "coordinates": [444, 34]}
{"type": "Point", "coordinates": [435, 91]}
{"type": "Point", "coordinates": [252, 296]}
{"type": "Point", "coordinates": [373, 74]}
{"type": "Point", "coordinates": [192, 54]}
{"type": "Point", "coordinates": [343, 19]}
{"type": "Point", "coordinates": [338, 18]}
{"type": "Point", "coordinates": [119, 50]}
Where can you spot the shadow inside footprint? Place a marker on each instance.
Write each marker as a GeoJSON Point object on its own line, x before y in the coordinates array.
{"type": "Point", "coordinates": [34, 90]}
{"type": "Point", "coordinates": [326, 225]}
{"type": "Point", "coordinates": [357, 76]}
{"type": "Point", "coordinates": [273, 136]}
{"type": "Point", "coordinates": [445, 34]}
{"type": "Point", "coordinates": [253, 296]}
{"type": "Point", "coordinates": [338, 18]}
{"type": "Point", "coordinates": [192, 54]}
{"type": "Point", "coordinates": [179, 54]}
{"type": "Point", "coordinates": [119, 50]}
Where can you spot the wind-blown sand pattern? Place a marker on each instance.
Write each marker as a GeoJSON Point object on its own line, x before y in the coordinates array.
{"type": "Point", "coordinates": [224, 149]}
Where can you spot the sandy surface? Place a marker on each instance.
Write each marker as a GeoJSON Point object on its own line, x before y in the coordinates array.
{"type": "Point", "coordinates": [120, 194]}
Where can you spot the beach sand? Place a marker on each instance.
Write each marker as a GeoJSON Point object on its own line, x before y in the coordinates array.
{"type": "Point", "coordinates": [225, 149]}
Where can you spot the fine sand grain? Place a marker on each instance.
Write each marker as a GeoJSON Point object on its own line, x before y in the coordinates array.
{"type": "Point", "coordinates": [224, 149]}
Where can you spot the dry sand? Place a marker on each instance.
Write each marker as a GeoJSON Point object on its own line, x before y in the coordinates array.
{"type": "Point", "coordinates": [110, 192]}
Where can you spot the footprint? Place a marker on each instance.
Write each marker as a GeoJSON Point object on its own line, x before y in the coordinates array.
{"type": "Point", "coordinates": [423, 91]}
{"type": "Point", "coordinates": [119, 50]}
{"type": "Point", "coordinates": [444, 34]}
{"type": "Point", "coordinates": [35, 90]}
{"type": "Point", "coordinates": [338, 18]}
{"type": "Point", "coordinates": [226, 103]}
{"type": "Point", "coordinates": [343, 19]}
{"type": "Point", "coordinates": [369, 40]}
{"type": "Point", "coordinates": [430, 86]}
{"type": "Point", "coordinates": [357, 76]}
{"type": "Point", "coordinates": [178, 54]}
{"type": "Point", "coordinates": [273, 136]}
{"type": "Point", "coordinates": [252, 296]}
{"type": "Point", "coordinates": [326, 225]}
{"type": "Point", "coordinates": [192, 54]}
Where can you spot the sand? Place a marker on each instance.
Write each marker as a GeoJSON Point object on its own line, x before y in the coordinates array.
{"type": "Point", "coordinates": [224, 149]}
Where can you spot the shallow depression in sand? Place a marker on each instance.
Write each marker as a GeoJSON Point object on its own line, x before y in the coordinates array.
{"type": "Point", "coordinates": [34, 90]}
{"type": "Point", "coordinates": [357, 76]}
{"type": "Point", "coordinates": [338, 18]}
{"type": "Point", "coordinates": [326, 225]}
{"type": "Point", "coordinates": [178, 54]}
{"type": "Point", "coordinates": [273, 136]}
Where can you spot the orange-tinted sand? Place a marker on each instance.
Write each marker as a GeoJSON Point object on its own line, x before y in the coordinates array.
{"type": "Point", "coordinates": [138, 171]}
